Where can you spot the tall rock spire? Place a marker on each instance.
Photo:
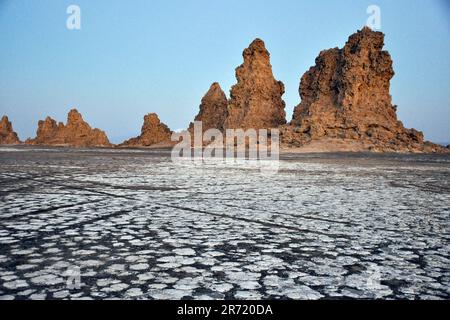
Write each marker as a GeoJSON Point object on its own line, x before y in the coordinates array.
{"type": "Point", "coordinates": [255, 101]}
{"type": "Point", "coordinates": [346, 94]}
{"type": "Point", "coordinates": [213, 109]}
{"type": "Point", "coordinates": [7, 134]}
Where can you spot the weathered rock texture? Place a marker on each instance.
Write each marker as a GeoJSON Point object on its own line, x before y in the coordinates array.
{"type": "Point", "coordinates": [346, 96]}
{"type": "Point", "coordinates": [76, 133]}
{"type": "Point", "coordinates": [213, 109]}
{"type": "Point", "coordinates": [7, 134]}
{"type": "Point", "coordinates": [255, 101]}
{"type": "Point", "coordinates": [153, 132]}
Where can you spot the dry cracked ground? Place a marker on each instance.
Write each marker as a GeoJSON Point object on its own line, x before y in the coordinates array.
{"type": "Point", "coordinates": [100, 224]}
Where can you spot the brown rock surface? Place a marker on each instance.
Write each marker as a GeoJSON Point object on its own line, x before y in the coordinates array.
{"type": "Point", "coordinates": [255, 101]}
{"type": "Point", "coordinates": [7, 134]}
{"type": "Point", "coordinates": [153, 132]}
{"type": "Point", "coordinates": [76, 133]}
{"type": "Point", "coordinates": [213, 109]}
{"type": "Point", "coordinates": [346, 96]}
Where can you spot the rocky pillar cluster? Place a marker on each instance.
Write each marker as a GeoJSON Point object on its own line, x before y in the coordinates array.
{"type": "Point", "coordinates": [345, 99]}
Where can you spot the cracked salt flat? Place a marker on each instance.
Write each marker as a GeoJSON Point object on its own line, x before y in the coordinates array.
{"type": "Point", "coordinates": [141, 227]}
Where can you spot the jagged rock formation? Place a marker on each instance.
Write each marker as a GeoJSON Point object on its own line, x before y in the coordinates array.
{"type": "Point", "coordinates": [255, 101]}
{"type": "Point", "coordinates": [213, 109]}
{"type": "Point", "coordinates": [153, 132]}
{"type": "Point", "coordinates": [7, 134]}
{"type": "Point", "coordinates": [345, 106]}
{"type": "Point", "coordinates": [346, 96]}
{"type": "Point", "coordinates": [76, 133]}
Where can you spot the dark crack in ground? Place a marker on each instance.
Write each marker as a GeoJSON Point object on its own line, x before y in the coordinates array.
{"type": "Point", "coordinates": [138, 226]}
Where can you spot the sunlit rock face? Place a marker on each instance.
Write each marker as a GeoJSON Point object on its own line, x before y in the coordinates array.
{"type": "Point", "coordinates": [346, 96]}
{"type": "Point", "coordinates": [255, 100]}
{"type": "Point", "coordinates": [153, 132]}
{"type": "Point", "coordinates": [7, 134]}
{"type": "Point", "coordinates": [76, 133]}
{"type": "Point", "coordinates": [213, 109]}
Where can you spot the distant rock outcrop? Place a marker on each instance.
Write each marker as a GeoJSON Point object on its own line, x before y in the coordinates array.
{"type": "Point", "coordinates": [345, 106]}
{"type": "Point", "coordinates": [76, 133]}
{"type": "Point", "coordinates": [255, 101]}
{"type": "Point", "coordinates": [7, 134]}
{"type": "Point", "coordinates": [213, 109]}
{"type": "Point", "coordinates": [346, 96]}
{"type": "Point", "coordinates": [153, 132]}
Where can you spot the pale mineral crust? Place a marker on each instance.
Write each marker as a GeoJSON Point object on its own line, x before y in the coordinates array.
{"type": "Point", "coordinates": [153, 132]}
{"type": "Point", "coordinates": [346, 96]}
{"type": "Point", "coordinates": [256, 99]}
{"type": "Point", "coordinates": [76, 133]}
{"type": "Point", "coordinates": [7, 134]}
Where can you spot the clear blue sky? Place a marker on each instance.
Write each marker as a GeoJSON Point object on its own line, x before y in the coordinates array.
{"type": "Point", "coordinates": [135, 57]}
